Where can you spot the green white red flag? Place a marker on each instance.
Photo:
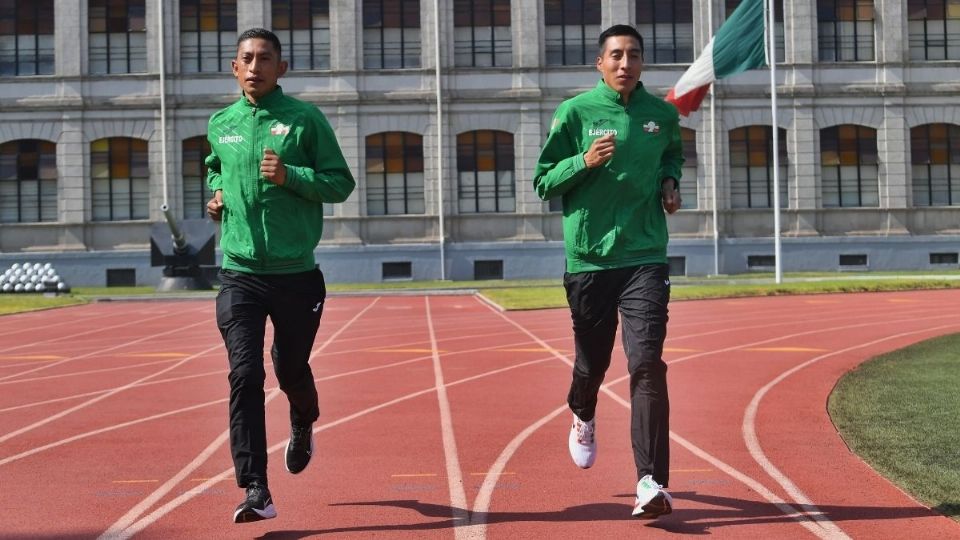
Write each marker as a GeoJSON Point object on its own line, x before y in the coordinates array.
{"type": "Point", "coordinates": [737, 46]}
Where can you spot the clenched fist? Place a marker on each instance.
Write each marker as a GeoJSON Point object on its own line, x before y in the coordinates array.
{"type": "Point", "coordinates": [272, 168]}
{"type": "Point", "coordinates": [215, 206]}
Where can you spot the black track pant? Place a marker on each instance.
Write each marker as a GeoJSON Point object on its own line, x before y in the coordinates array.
{"type": "Point", "coordinates": [640, 294]}
{"type": "Point", "coordinates": [294, 303]}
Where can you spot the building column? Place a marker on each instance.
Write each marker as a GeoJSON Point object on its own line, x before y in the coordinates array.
{"type": "Point", "coordinates": [804, 152]}
{"type": "Point", "coordinates": [615, 12]}
{"type": "Point", "coordinates": [253, 14]}
{"type": "Point", "coordinates": [73, 179]}
{"type": "Point", "coordinates": [893, 142]}
{"type": "Point", "coordinates": [526, 26]}
{"type": "Point", "coordinates": [70, 38]}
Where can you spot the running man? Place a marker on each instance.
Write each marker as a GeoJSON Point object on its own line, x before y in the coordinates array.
{"type": "Point", "coordinates": [614, 155]}
{"type": "Point", "coordinates": [274, 161]}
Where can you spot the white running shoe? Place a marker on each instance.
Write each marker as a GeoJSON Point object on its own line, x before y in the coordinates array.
{"type": "Point", "coordinates": [582, 443]}
{"type": "Point", "coordinates": [652, 501]}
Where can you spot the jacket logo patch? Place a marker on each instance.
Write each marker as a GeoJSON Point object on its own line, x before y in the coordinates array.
{"type": "Point", "coordinates": [279, 129]}
{"type": "Point", "coordinates": [651, 127]}
{"type": "Point", "coordinates": [229, 139]}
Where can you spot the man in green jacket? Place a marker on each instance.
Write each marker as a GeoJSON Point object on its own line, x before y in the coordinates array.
{"type": "Point", "coordinates": [614, 155]}
{"type": "Point", "coordinates": [274, 161]}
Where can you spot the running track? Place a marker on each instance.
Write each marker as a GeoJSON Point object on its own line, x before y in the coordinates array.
{"type": "Point", "coordinates": [443, 418]}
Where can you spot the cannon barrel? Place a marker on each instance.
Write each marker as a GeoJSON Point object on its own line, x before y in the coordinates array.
{"type": "Point", "coordinates": [179, 240]}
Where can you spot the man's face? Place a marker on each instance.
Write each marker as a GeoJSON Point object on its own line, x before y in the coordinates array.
{"type": "Point", "coordinates": [620, 62]}
{"type": "Point", "coordinates": [257, 67]}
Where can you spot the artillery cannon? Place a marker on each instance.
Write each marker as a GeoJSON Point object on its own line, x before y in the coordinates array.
{"type": "Point", "coordinates": [181, 249]}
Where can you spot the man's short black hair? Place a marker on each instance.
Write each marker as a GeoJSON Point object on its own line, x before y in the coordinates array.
{"type": "Point", "coordinates": [260, 33]}
{"type": "Point", "coordinates": [620, 30]}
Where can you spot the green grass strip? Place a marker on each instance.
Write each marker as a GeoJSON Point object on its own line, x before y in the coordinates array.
{"type": "Point", "coordinates": [901, 413]}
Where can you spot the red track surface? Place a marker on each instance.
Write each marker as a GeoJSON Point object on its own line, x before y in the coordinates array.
{"type": "Point", "coordinates": [113, 419]}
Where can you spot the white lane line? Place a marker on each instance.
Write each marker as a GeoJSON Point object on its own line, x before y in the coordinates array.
{"type": "Point", "coordinates": [268, 363]}
{"type": "Point", "coordinates": [175, 503]}
{"type": "Point", "coordinates": [101, 397]}
{"type": "Point", "coordinates": [99, 351]}
{"type": "Point", "coordinates": [118, 529]}
{"type": "Point", "coordinates": [480, 512]}
{"type": "Point", "coordinates": [752, 441]}
{"type": "Point", "coordinates": [458, 498]}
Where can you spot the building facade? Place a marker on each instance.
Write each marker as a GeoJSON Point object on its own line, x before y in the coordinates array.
{"type": "Point", "coordinates": [869, 125]}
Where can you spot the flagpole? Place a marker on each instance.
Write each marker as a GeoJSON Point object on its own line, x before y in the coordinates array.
{"type": "Point", "coordinates": [436, 59]}
{"type": "Point", "coordinates": [713, 160]}
{"type": "Point", "coordinates": [772, 59]}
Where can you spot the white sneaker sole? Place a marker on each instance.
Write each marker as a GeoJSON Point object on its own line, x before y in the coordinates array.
{"type": "Point", "coordinates": [248, 515]}
{"type": "Point", "coordinates": [660, 505]}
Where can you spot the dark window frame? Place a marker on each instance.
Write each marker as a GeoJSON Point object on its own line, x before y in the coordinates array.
{"type": "Point", "coordinates": [381, 23]}
{"type": "Point", "coordinates": [132, 142]}
{"type": "Point", "coordinates": [471, 11]}
{"type": "Point", "coordinates": [315, 60]}
{"type": "Point", "coordinates": [408, 140]}
{"type": "Point", "coordinates": [468, 151]}
{"type": "Point", "coordinates": [21, 151]}
{"type": "Point", "coordinates": [734, 138]}
{"type": "Point", "coordinates": [830, 14]}
{"type": "Point", "coordinates": [223, 50]}
{"type": "Point", "coordinates": [924, 153]}
{"type": "Point", "coordinates": [587, 46]}
{"type": "Point", "coordinates": [863, 136]}
{"type": "Point", "coordinates": [919, 11]}
{"type": "Point", "coordinates": [39, 14]}
{"type": "Point", "coordinates": [652, 52]}
{"type": "Point", "coordinates": [108, 10]}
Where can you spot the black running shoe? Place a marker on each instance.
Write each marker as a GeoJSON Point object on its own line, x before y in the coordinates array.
{"type": "Point", "coordinates": [257, 507]}
{"type": "Point", "coordinates": [299, 448]}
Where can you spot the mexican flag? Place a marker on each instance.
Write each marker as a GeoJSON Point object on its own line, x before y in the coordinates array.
{"type": "Point", "coordinates": [737, 46]}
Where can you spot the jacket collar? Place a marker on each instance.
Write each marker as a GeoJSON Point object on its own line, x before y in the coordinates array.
{"type": "Point", "coordinates": [275, 96]}
{"type": "Point", "coordinates": [604, 90]}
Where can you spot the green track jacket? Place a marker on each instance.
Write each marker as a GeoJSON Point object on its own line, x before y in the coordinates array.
{"type": "Point", "coordinates": [270, 229]}
{"type": "Point", "coordinates": [612, 215]}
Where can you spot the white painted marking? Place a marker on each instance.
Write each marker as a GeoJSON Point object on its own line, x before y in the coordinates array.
{"type": "Point", "coordinates": [458, 498]}
{"type": "Point", "coordinates": [750, 437]}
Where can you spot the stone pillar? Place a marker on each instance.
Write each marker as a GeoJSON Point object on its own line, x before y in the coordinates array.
{"type": "Point", "coordinates": [526, 25]}
{"type": "Point", "coordinates": [346, 35]}
{"type": "Point", "coordinates": [70, 38]}
{"type": "Point", "coordinates": [253, 14]}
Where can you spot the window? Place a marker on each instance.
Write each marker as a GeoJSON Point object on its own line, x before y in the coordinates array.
{"type": "Point", "coordinates": [481, 33]}
{"type": "Point", "coordinates": [303, 27]}
{"type": "Point", "coordinates": [484, 270]}
{"type": "Point", "coordinates": [688, 184]}
{"type": "Point", "coordinates": [121, 277]}
{"type": "Point", "coordinates": [751, 167]}
{"type": "Point", "coordinates": [572, 29]}
{"type": "Point", "coordinates": [667, 30]}
{"type": "Point", "coordinates": [28, 181]}
{"type": "Point", "coordinates": [944, 258]}
{"type": "Point", "coordinates": [778, 22]}
{"type": "Point", "coordinates": [853, 260]}
{"type": "Point", "coordinates": [934, 28]}
{"type": "Point", "coordinates": [391, 34]}
{"type": "Point", "coordinates": [118, 36]}
{"type": "Point", "coordinates": [848, 159]}
{"type": "Point", "coordinates": [196, 193]}
{"type": "Point", "coordinates": [485, 172]}
{"type": "Point", "coordinates": [395, 174]}
{"type": "Point", "coordinates": [26, 37]}
{"type": "Point", "coordinates": [677, 266]}
{"type": "Point", "coordinates": [120, 179]}
{"type": "Point", "coordinates": [935, 157]}
{"type": "Point", "coordinates": [845, 30]}
{"type": "Point", "coordinates": [396, 270]}
{"type": "Point", "coordinates": [208, 35]}
{"type": "Point", "coordinates": [761, 262]}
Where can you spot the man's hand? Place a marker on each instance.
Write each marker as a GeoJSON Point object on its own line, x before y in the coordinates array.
{"type": "Point", "coordinates": [272, 168]}
{"type": "Point", "coordinates": [670, 194]}
{"type": "Point", "coordinates": [600, 152]}
{"type": "Point", "coordinates": [215, 206]}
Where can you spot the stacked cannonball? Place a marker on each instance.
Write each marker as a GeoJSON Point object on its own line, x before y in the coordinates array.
{"type": "Point", "coordinates": [31, 278]}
